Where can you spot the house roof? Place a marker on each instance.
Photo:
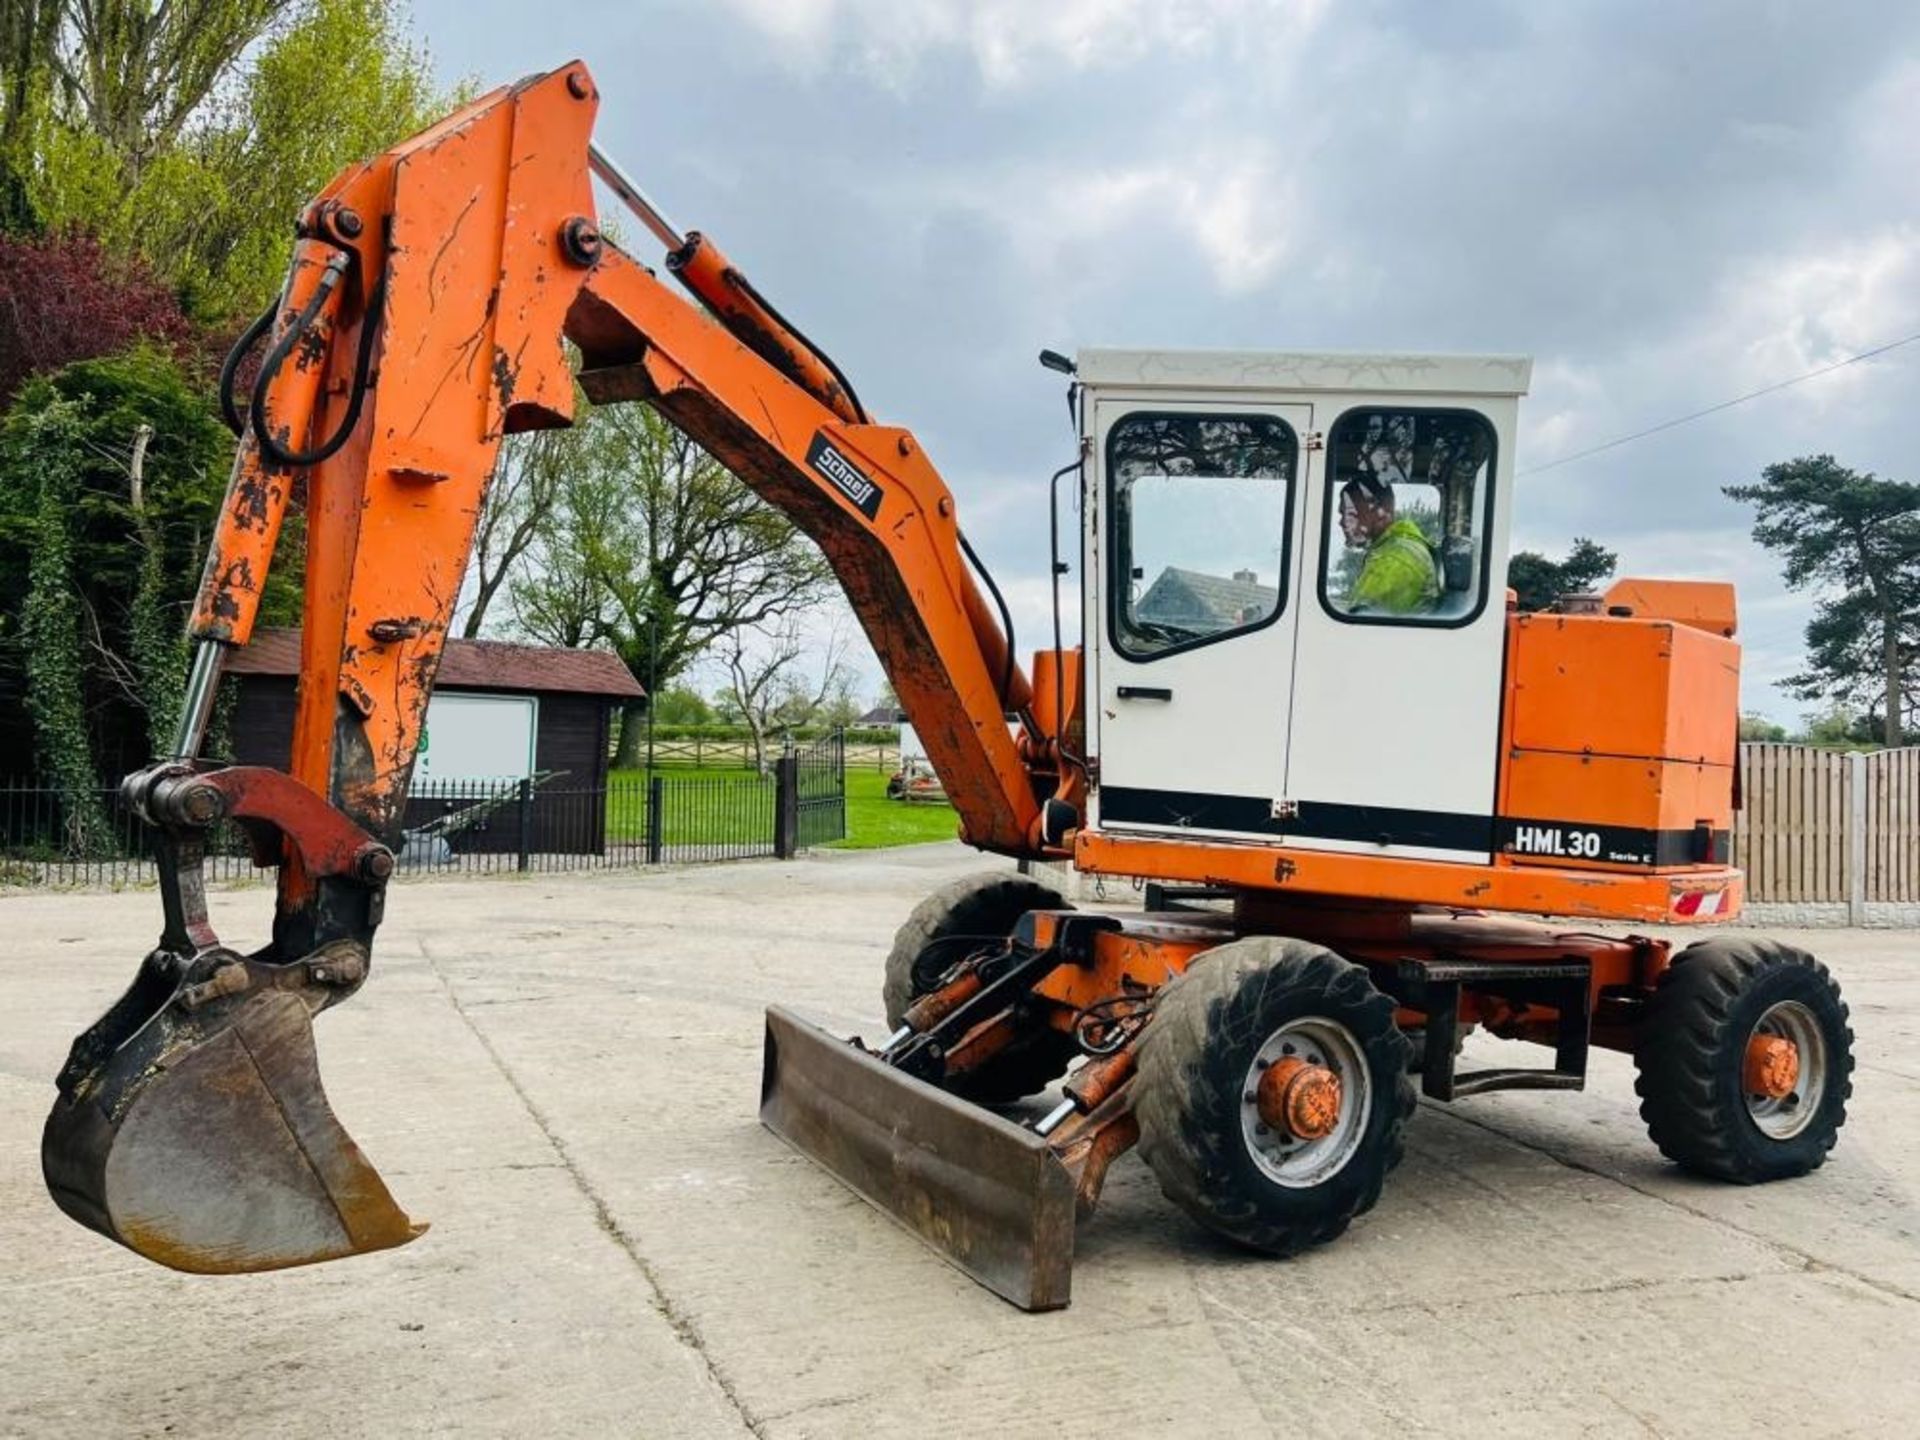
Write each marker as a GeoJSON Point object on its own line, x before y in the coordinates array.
{"type": "Point", "coordinates": [1227, 599]}
{"type": "Point", "coordinates": [472, 665]}
{"type": "Point", "coordinates": [883, 715]}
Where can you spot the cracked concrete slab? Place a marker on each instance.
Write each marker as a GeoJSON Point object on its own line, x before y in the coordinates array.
{"type": "Point", "coordinates": [561, 1073]}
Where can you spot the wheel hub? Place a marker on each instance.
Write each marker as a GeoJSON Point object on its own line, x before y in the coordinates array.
{"type": "Point", "coordinates": [1299, 1099]}
{"type": "Point", "coordinates": [1306, 1100]}
{"type": "Point", "coordinates": [1791, 1074]}
{"type": "Point", "coordinates": [1772, 1067]}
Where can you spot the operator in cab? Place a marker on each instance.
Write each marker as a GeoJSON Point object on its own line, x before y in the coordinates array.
{"type": "Point", "coordinates": [1399, 575]}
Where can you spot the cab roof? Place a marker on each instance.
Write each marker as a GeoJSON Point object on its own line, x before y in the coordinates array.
{"type": "Point", "coordinates": [1398, 374]}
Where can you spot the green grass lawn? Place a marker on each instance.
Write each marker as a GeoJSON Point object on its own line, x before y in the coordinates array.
{"type": "Point", "coordinates": [874, 821]}
{"type": "Point", "coordinates": [732, 806]}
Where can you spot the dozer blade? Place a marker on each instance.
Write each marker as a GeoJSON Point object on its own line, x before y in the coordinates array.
{"type": "Point", "coordinates": [205, 1142]}
{"type": "Point", "coordinates": [987, 1194]}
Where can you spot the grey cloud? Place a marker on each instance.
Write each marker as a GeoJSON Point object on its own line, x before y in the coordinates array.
{"type": "Point", "coordinates": [1632, 192]}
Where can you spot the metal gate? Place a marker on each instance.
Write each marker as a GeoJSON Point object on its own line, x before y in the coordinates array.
{"type": "Point", "coordinates": [820, 790]}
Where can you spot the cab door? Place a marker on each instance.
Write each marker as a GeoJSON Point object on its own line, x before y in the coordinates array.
{"type": "Point", "coordinates": [1393, 743]}
{"type": "Point", "coordinates": [1193, 565]}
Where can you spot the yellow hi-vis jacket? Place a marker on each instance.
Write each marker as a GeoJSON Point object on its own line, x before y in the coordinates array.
{"type": "Point", "coordinates": [1399, 575]}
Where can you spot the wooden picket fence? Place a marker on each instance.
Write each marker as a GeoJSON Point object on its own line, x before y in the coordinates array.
{"type": "Point", "coordinates": [1829, 827]}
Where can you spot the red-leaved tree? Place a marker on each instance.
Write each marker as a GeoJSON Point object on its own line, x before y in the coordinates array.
{"type": "Point", "coordinates": [64, 298]}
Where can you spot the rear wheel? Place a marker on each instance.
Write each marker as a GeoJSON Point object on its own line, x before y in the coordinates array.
{"type": "Point", "coordinates": [1272, 1091]}
{"type": "Point", "coordinates": [1745, 1061]}
{"type": "Point", "coordinates": [944, 928]}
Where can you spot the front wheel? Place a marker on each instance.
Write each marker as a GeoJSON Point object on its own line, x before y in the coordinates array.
{"type": "Point", "coordinates": [966, 915]}
{"type": "Point", "coordinates": [1745, 1061]}
{"type": "Point", "coordinates": [1272, 1091]}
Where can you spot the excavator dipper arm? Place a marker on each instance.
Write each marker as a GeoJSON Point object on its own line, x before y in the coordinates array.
{"type": "Point", "coordinates": [423, 320]}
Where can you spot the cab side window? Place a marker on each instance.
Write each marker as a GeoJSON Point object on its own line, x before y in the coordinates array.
{"type": "Point", "coordinates": [1407, 515]}
{"type": "Point", "coordinates": [1200, 507]}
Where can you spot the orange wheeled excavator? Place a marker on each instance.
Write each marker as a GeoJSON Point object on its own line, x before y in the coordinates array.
{"type": "Point", "coordinates": [1305, 712]}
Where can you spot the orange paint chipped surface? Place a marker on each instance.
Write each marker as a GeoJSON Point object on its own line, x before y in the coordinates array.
{"type": "Point", "coordinates": [1772, 1067]}
{"type": "Point", "coordinates": [1299, 1099]}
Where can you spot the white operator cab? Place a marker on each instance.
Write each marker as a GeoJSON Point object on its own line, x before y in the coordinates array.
{"type": "Point", "coordinates": [1295, 571]}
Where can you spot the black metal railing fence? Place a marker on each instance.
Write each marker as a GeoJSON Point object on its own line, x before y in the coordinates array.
{"type": "Point", "coordinates": [546, 822]}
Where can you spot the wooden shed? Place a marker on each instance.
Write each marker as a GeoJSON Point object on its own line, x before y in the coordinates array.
{"type": "Point", "coordinates": [500, 713]}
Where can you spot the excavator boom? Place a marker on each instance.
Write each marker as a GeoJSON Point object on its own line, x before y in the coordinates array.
{"type": "Point", "coordinates": [423, 320]}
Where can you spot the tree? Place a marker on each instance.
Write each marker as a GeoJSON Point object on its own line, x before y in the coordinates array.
{"type": "Point", "coordinates": [520, 501]}
{"type": "Point", "coordinates": [28, 29]}
{"type": "Point", "coordinates": [103, 93]}
{"type": "Point", "coordinates": [65, 298]}
{"type": "Point", "coordinates": [557, 596]}
{"type": "Point", "coordinates": [653, 549]}
{"type": "Point", "coordinates": [1539, 581]}
{"type": "Point", "coordinates": [1755, 726]}
{"type": "Point", "coordinates": [135, 71]}
{"type": "Point", "coordinates": [340, 82]}
{"type": "Point", "coordinates": [1856, 539]}
{"type": "Point", "coordinates": [841, 707]}
{"type": "Point", "coordinates": [135, 553]}
{"type": "Point", "coordinates": [679, 705]}
{"type": "Point", "coordinates": [162, 133]}
{"type": "Point", "coordinates": [1837, 728]}
{"type": "Point", "coordinates": [767, 681]}
{"type": "Point", "coordinates": [49, 441]}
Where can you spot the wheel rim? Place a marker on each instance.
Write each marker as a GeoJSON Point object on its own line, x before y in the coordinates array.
{"type": "Point", "coordinates": [1785, 1117]}
{"type": "Point", "coordinates": [1282, 1158]}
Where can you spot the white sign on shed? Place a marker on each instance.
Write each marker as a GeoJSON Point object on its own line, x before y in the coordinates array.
{"type": "Point", "coordinates": [478, 737]}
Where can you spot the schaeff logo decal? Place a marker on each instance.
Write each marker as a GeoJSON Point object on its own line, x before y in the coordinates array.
{"type": "Point", "coordinates": [846, 476]}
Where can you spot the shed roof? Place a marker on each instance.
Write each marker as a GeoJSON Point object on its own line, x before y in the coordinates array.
{"type": "Point", "coordinates": [472, 665]}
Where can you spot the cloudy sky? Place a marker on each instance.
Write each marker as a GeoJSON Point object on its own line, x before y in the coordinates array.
{"type": "Point", "coordinates": [1667, 205]}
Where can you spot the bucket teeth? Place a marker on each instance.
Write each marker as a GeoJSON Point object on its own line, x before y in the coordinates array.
{"type": "Point", "coordinates": [203, 1140]}
{"type": "Point", "coordinates": [988, 1195]}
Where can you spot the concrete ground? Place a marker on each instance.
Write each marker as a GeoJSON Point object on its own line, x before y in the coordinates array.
{"type": "Point", "coordinates": [561, 1073]}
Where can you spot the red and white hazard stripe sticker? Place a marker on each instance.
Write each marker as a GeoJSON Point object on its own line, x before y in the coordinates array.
{"type": "Point", "coordinates": [1697, 904]}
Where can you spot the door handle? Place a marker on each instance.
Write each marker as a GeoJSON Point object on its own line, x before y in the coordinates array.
{"type": "Point", "coordinates": [1144, 692]}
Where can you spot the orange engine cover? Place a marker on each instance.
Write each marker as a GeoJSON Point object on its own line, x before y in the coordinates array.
{"type": "Point", "coordinates": [1621, 741]}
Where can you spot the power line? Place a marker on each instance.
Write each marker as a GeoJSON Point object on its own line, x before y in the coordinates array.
{"type": "Point", "coordinates": [1725, 404]}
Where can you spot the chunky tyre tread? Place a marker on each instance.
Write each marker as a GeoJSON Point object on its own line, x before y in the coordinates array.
{"type": "Point", "coordinates": [1192, 1064]}
{"type": "Point", "coordinates": [1693, 1042]}
{"type": "Point", "coordinates": [988, 904]}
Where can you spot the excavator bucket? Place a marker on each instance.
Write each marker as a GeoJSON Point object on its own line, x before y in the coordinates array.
{"type": "Point", "coordinates": [201, 1137]}
{"type": "Point", "coordinates": [989, 1195]}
